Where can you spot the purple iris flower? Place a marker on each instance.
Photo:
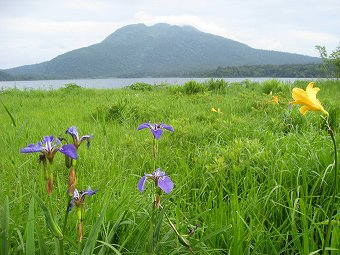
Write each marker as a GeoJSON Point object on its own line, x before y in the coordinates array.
{"type": "Point", "coordinates": [79, 197]}
{"type": "Point", "coordinates": [76, 140]}
{"type": "Point", "coordinates": [161, 180]}
{"type": "Point", "coordinates": [49, 147]}
{"type": "Point", "coordinates": [156, 129]}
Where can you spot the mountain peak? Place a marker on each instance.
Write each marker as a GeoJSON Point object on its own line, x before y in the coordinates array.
{"type": "Point", "coordinates": [140, 29]}
{"type": "Point", "coordinates": [138, 50]}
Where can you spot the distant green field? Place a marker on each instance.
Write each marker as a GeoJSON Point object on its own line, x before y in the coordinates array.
{"type": "Point", "coordinates": [255, 177]}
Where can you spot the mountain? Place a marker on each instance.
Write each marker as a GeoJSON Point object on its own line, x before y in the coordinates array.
{"type": "Point", "coordinates": [159, 50]}
{"type": "Point", "coordinates": [5, 76]}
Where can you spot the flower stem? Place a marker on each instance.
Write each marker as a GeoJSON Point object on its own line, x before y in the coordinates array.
{"type": "Point", "coordinates": [155, 149]}
{"type": "Point", "coordinates": [152, 223]}
{"type": "Point", "coordinates": [61, 247]}
{"type": "Point", "coordinates": [335, 188]}
{"type": "Point", "coordinates": [66, 213]}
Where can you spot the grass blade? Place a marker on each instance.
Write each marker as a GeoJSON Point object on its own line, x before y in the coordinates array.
{"type": "Point", "coordinates": [110, 246]}
{"type": "Point", "coordinates": [111, 234]}
{"type": "Point", "coordinates": [30, 246]}
{"type": "Point", "coordinates": [10, 115]}
{"type": "Point", "coordinates": [92, 238]}
{"type": "Point", "coordinates": [5, 227]}
{"type": "Point", "coordinates": [158, 227]}
{"type": "Point", "coordinates": [41, 243]}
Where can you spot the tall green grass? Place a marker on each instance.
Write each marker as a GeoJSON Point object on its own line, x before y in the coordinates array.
{"type": "Point", "coordinates": [256, 179]}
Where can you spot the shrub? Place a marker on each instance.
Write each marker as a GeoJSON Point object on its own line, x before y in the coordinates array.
{"type": "Point", "coordinates": [193, 87]}
{"type": "Point", "coordinates": [141, 86]}
{"type": "Point", "coordinates": [217, 86]}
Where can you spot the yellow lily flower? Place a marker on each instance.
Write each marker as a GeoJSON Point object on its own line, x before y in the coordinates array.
{"type": "Point", "coordinates": [275, 99]}
{"type": "Point", "coordinates": [307, 99]}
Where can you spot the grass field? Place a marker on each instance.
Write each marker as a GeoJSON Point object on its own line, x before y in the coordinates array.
{"type": "Point", "coordinates": [254, 178]}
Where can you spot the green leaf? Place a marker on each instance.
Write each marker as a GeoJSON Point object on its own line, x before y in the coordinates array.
{"type": "Point", "coordinates": [30, 246]}
{"type": "Point", "coordinates": [5, 227]}
{"type": "Point", "coordinates": [110, 246]}
{"type": "Point", "coordinates": [158, 227]}
{"type": "Point", "coordinates": [215, 233]}
{"type": "Point", "coordinates": [92, 238]}
{"type": "Point", "coordinates": [41, 243]}
{"type": "Point", "coordinates": [111, 234]}
{"type": "Point", "coordinates": [10, 115]}
{"type": "Point", "coordinates": [52, 225]}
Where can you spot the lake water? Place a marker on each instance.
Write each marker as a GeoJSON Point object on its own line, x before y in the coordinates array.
{"type": "Point", "coordinates": [120, 82]}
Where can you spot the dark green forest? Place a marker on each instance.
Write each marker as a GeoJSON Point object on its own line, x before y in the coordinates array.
{"type": "Point", "coordinates": [289, 71]}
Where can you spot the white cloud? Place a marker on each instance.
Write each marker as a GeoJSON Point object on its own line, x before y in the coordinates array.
{"type": "Point", "coordinates": [185, 19]}
{"type": "Point", "coordinates": [37, 30]}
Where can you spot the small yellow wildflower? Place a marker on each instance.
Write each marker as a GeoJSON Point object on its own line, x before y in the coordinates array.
{"type": "Point", "coordinates": [218, 110]}
{"type": "Point", "coordinates": [307, 99]}
{"type": "Point", "coordinates": [275, 99]}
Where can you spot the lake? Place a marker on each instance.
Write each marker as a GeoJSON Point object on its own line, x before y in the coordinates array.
{"type": "Point", "coordinates": [121, 82]}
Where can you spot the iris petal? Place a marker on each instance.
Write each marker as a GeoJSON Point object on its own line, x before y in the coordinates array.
{"type": "Point", "coordinates": [32, 148]}
{"type": "Point", "coordinates": [167, 127]}
{"type": "Point", "coordinates": [69, 150]}
{"type": "Point", "coordinates": [157, 133]}
{"type": "Point", "coordinates": [72, 131]}
{"type": "Point", "coordinates": [144, 125]}
{"type": "Point", "coordinates": [85, 138]}
{"type": "Point", "coordinates": [165, 184]}
{"type": "Point", "coordinates": [158, 173]}
{"type": "Point", "coordinates": [70, 205]}
{"type": "Point", "coordinates": [141, 184]}
{"type": "Point", "coordinates": [88, 192]}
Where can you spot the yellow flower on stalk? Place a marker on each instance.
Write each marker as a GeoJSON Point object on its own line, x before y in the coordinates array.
{"type": "Point", "coordinates": [275, 99]}
{"type": "Point", "coordinates": [218, 110]}
{"type": "Point", "coordinates": [307, 99]}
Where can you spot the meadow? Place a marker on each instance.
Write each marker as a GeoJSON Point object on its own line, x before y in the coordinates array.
{"type": "Point", "coordinates": [252, 177]}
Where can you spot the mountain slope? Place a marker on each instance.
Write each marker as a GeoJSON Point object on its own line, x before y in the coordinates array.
{"type": "Point", "coordinates": [161, 49]}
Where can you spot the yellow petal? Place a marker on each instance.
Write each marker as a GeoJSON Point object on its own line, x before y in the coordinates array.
{"type": "Point", "coordinates": [311, 92]}
{"type": "Point", "coordinates": [213, 109]}
{"type": "Point", "coordinates": [275, 99]}
{"type": "Point", "coordinates": [299, 95]}
{"type": "Point", "coordinates": [304, 109]}
{"type": "Point", "coordinates": [307, 99]}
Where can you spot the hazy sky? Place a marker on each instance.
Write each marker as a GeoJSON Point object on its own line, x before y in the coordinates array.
{"type": "Point", "coordinates": [33, 31]}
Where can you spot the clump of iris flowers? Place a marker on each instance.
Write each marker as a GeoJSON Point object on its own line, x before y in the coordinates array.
{"type": "Point", "coordinates": [161, 180]}
{"type": "Point", "coordinates": [76, 142]}
{"type": "Point", "coordinates": [75, 136]}
{"type": "Point", "coordinates": [79, 197]}
{"type": "Point", "coordinates": [156, 129]}
{"type": "Point", "coordinates": [78, 200]}
{"type": "Point", "coordinates": [49, 146]}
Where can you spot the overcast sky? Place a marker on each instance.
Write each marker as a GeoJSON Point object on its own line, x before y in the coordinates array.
{"type": "Point", "coordinates": [33, 31]}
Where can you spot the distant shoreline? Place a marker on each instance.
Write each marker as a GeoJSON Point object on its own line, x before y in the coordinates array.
{"type": "Point", "coordinates": [113, 83]}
